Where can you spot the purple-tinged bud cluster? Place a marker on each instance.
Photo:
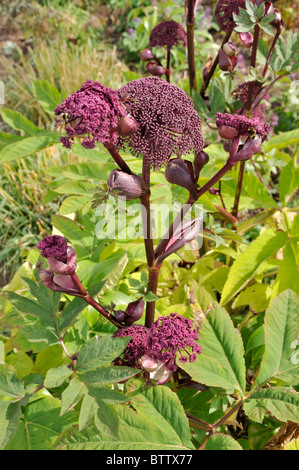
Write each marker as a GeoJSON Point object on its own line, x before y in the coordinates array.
{"type": "Point", "coordinates": [99, 110]}
{"type": "Point", "coordinates": [167, 121]}
{"type": "Point", "coordinates": [62, 261]}
{"type": "Point", "coordinates": [233, 125]}
{"type": "Point", "coordinates": [53, 246]}
{"type": "Point", "coordinates": [224, 13]}
{"type": "Point", "coordinates": [157, 347]}
{"type": "Point", "coordinates": [169, 34]}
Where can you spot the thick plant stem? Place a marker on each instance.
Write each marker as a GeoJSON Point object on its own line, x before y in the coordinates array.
{"type": "Point", "coordinates": [149, 246]}
{"type": "Point", "coordinates": [152, 287]}
{"type": "Point", "coordinates": [118, 159]}
{"type": "Point", "coordinates": [253, 64]}
{"type": "Point", "coordinates": [168, 66]}
{"type": "Point", "coordinates": [190, 24]}
{"type": "Point", "coordinates": [214, 65]}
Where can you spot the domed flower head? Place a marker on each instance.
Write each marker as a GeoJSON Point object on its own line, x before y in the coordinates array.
{"type": "Point", "coordinates": [224, 13]}
{"type": "Point", "coordinates": [167, 121]}
{"type": "Point", "coordinates": [170, 335]}
{"type": "Point", "coordinates": [168, 34]}
{"type": "Point", "coordinates": [93, 111]}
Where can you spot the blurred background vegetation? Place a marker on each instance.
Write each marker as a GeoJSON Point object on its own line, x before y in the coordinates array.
{"type": "Point", "coordinates": [66, 42]}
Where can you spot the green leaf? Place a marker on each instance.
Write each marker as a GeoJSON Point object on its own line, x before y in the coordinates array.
{"type": "Point", "coordinates": [99, 352]}
{"type": "Point", "coordinates": [20, 123]}
{"type": "Point", "coordinates": [249, 261]}
{"type": "Point", "coordinates": [106, 419]}
{"type": "Point", "coordinates": [47, 95]}
{"type": "Point", "coordinates": [288, 180]}
{"type": "Point", "coordinates": [154, 420]}
{"type": "Point", "coordinates": [221, 363]}
{"type": "Point", "coordinates": [72, 395]}
{"type": "Point", "coordinates": [103, 376]}
{"type": "Point", "coordinates": [56, 376]}
{"type": "Point", "coordinates": [257, 297]}
{"type": "Point", "coordinates": [40, 425]}
{"type": "Point", "coordinates": [9, 421]}
{"type": "Point", "coordinates": [26, 146]}
{"type": "Point", "coordinates": [281, 402]}
{"type": "Point", "coordinates": [281, 329]}
{"type": "Point", "coordinates": [222, 442]}
{"type": "Point", "coordinates": [285, 139]}
{"type": "Point", "coordinates": [288, 272]}
{"type": "Point", "coordinates": [10, 385]}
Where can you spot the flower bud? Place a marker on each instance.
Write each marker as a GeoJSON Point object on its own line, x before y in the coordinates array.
{"type": "Point", "coordinates": [246, 39]}
{"type": "Point", "coordinates": [200, 160]}
{"type": "Point", "coordinates": [178, 172]}
{"type": "Point", "coordinates": [155, 69]}
{"type": "Point", "coordinates": [229, 49]}
{"type": "Point", "coordinates": [127, 126]}
{"type": "Point", "coordinates": [227, 63]}
{"type": "Point", "coordinates": [269, 8]}
{"type": "Point", "coordinates": [146, 55]}
{"type": "Point", "coordinates": [134, 311]}
{"type": "Point", "coordinates": [277, 22]}
{"type": "Point", "coordinates": [119, 315]}
{"type": "Point", "coordinates": [125, 185]}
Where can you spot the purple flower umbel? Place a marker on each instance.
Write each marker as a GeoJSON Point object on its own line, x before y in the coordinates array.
{"type": "Point", "coordinates": [167, 121]}
{"type": "Point", "coordinates": [168, 34]}
{"type": "Point", "coordinates": [95, 111]}
{"type": "Point", "coordinates": [161, 342]}
{"type": "Point", "coordinates": [224, 13]}
{"type": "Point", "coordinates": [172, 334]}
